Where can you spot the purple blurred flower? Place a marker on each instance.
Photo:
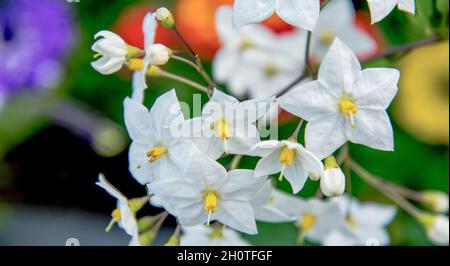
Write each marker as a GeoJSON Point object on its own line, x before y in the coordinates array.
{"type": "Point", "coordinates": [35, 38]}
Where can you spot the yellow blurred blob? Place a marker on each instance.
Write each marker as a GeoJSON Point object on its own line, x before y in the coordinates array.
{"type": "Point", "coordinates": [422, 105]}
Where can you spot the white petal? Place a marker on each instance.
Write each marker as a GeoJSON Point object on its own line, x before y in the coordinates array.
{"type": "Point", "coordinates": [379, 9]}
{"type": "Point", "coordinates": [213, 147]}
{"type": "Point", "coordinates": [300, 13]}
{"type": "Point", "coordinates": [377, 88]}
{"type": "Point", "coordinates": [237, 215]}
{"type": "Point", "coordinates": [137, 121]}
{"type": "Point", "coordinates": [166, 111]}
{"type": "Point", "coordinates": [241, 185]}
{"type": "Point", "coordinates": [375, 214]}
{"type": "Point", "coordinates": [310, 101]}
{"type": "Point", "coordinates": [109, 48]}
{"type": "Point", "coordinates": [139, 86]}
{"type": "Point", "coordinates": [224, 63]}
{"type": "Point", "coordinates": [244, 138]}
{"type": "Point", "coordinates": [373, 129]}
{"type": "Point", "coordinates": [142, 170]}
{"type": "Point", "coordinates": [113, 191]}
{"type": "Point", "coordinates": [311, 163]}
{"type": "Point", "coordinates": [340, 69]}
{"type": "Point", "coordinates": [297, 175]}
{"type": "Point", "coordinates": [338, 238]}
{"type": "Point", "coordinates": [408, 6]}
{"type": "Point", "coordinates": [224, 24]}
{"type": "Point", "coordinates": [205, 171]}
{"type": "Point", "coordinates": [252, 11]}
{"type": "Point", "coordinates": [269, 165]}
{"type": "Point", "coordinates": [149, 25]}
{"type": "Point", "coordinates": [108, 65]}
{"type": "Point", "coordinates": [326, 135]}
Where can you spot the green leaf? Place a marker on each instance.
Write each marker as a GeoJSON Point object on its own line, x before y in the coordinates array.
{"type": "Point", "coordinates": [442, 7]}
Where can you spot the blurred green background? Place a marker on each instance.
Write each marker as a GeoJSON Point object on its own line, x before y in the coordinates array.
{"type": "Point", "coordinates": [88, 105]}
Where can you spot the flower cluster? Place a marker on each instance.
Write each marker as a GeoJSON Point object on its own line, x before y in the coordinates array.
{"type": "Point", "coordinates": [176, 158]}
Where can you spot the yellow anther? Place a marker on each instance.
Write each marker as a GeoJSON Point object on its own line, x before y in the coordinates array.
{"type": "Point", "coordinates": [135, 64]}
{"type": "Point", "coordinates": [287, 156]}
{"type": "Point", "coordinates": [156, 153]}
{"type": "Point", "coordinates": [307, 222]}
{"type": "Point", "coordinates": [210, 203]}
{"type": "Point", "coordinates": [350, 221]}
{"type": "Point", "coordinates": [223, 131]}
{"type": "Point", "coordinates": [246, 44]}
{"type": "Point", "coordinates": [270, 70]}
{"type": "Point", "coordinates": [327, 36]}
{"type": "Point", "coordinates": [349, 108]}
{"type": "Point", "coordinates": [116, 217]}
{"type": "Point", "coordinates": [216, 233]}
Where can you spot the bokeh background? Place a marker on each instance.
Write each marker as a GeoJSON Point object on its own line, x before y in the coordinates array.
{"type": "Point", "coordinates": [61, 123]}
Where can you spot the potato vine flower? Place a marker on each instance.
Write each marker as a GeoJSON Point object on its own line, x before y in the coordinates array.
{"type": "Point", "coordinates": [345, 103]}
{"type": "Point", "coordinates": [288, 158]}
{"type": "Point", "coordinates": [205, 192]}
{"type": "Point", "coordinates": [123, 215]}
{"type": "Point", "coordinates": [379, 9]}
{"type": "Point", "coordinates": [300, 13]}
{"type": "Point", "coordinates": [216, 235]}
{"type": "Point", "coordinates": [365, 223]}
{"type": "Point", "coordinates": [156, 150]}
{"type": "Point", "coordinates": [337, 19]}
{"type": "Point", "coordinates": [332, 183]}
{"type": "Point", "coordinates": [227, 125]}
{"type": "Point", "coordinates": [437, 228]}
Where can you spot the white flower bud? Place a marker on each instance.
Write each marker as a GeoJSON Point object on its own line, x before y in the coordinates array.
{"type": "Point", "coordinates": [436, 201]}
{"type": "Point", "coordinates": [159, 54]}
{"type": "Point", "coordinates": [165, 17]}
{"type": "Point", "coordinates": [437, 227]}
{"type": "Point", "coordinates": [332, 182]}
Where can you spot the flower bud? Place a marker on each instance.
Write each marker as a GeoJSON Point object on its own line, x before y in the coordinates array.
{"type": "Point", "coordinates": [165, 17]}
{"type": "Point", "coordinates": [436, 201]}
{"type": "Point", "coordinates": [159, 54]}
{"type": "Point", "coordinates": [146, 223]}
{"type": "Point", "coordinates": [437, 227]}
{"type": "Point", "coordinates": [332, 182]}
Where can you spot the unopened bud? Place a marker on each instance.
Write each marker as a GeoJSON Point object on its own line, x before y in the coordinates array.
{"type": "Point", "coordinates": [159, 54]}
{"type": "Point", "coordinates": [165, 17]}
{"type": "Point", "coordinates": [146, 239]}
{"type": "Point", "coordinates": [153, 71]}
{"type": "Point", "coordinates": [332, 182]}
{"type": "Point", "coordinates": [174, 240]}
{"type": "Point", "coordinates": [437, 228]}
{"type": "Point", "coordinates": [146, 223]}
{"type": "Point", "coordinates": [435, 201]}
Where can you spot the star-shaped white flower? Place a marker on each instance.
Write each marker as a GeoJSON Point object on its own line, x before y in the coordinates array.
{"type": "Point", "coordinates": [211, 236]}
{"type": "Point", "coordinates": [315, 218]}
{"type": "Point", "coordinates": [365, 223]}
{"type": "Point", "coordinates": [206, 192]}
{"type": "Point", "coordinates": [379, 9]}
{"type": "Point", "coordinates": [269, 204]}
{"type": "Point", "coordinates": [253, 61]}
{"type": "Point", "coordinates": [157, 148]}
{"type": "Point", "coordinates": [112, 50]}
{"type": "Point", "coordinates": [345, 103]}
{"type": "Point", "coordinates": [123, 215]}
{"type": "Point", "coordinates": [227, 125]}
{"type": "Point", "coordinates": [300, 13]}
{"type": "Point", "coordinates": [337, 19]}
{"type": "Point", "coordinates": [288, 158]}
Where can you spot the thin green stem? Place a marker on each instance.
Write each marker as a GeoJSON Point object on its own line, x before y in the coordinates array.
{"type": "Point", "coordinates": [186, 81]}
{"type": "Point", "coordinates": [297, 130]}
{"type": "Point", "coordinates": [235, 162]}
{"type": "Point", "coordinates": [186, 61]}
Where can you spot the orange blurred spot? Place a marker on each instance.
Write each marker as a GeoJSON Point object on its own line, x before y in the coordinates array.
{"type": "Point", "coordinates": [362, 21]}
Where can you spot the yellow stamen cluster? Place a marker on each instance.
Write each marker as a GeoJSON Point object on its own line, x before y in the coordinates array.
{"type": "Point", "coordinates": [327, 36]}
{"type": "Point", "coordinates": [116, 217]}
{"type": "Point", "coordinates": [223, 131]}
{"type": "Point", "coordinates": [307, 222]}
{"type": "Point", "coordinates": [210, 203]}
{"type": "Point", "coordinates": [156, 153]}
{"type": "Point", "coordinates": [350, 221]}
{"type": "Point", "coordinates": [348, 108]}
{"type": "Point", "coordinates": [246, 44]}
{"type": "Point", "coordinates": [135, 64]}
{"type": "Point", "coordinates": [270, 70]}
{"type": "Point", "coordinates": [287, 156]}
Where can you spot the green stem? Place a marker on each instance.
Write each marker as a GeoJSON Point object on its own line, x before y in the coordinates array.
{"type": "Point", "coordinates": [186, 81]}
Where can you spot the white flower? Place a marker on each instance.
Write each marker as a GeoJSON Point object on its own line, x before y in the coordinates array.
{"type": "Point", "coordinates": [269, 205]}
{"type": "Point", "coordinates": [113, 51]}
{"type": "Point", "coordinates": [379, 9]}
{"type": "Point", "coordinates": [365, 223]}
{"type": "Point", "coordinates": [227, 125]}
{"type": "Point", "coordinates": [159, 54]}
{"type": "Point", "coordinates": [254, 61]}
{"type": "Point", "coordinates": [332, 183]}
{"type": "Point", "coordinates": [149, 25]}
{"type": "Point", "coordinates": [206, 192]}
{"type": "Point", "coordinates": [202, 235]}
{"type": "Point", "coordinates": [345, 103]}
{"type": "Point", "coordinates": [123, 215]}
{"type": "Point", "coordinates": [316, 219]}
{"type": "Point", "coordinates": [437, 227]}
{"type": "Point", "coordinates": [300, 13]}
{"type": "Point", "coordinates": [337, 19]}
{"type": "Point", "coordinates": [165, 17]}
{"type": "Point", "coordinates": [436, 201]}
{"type": "Point", "coordinates": [288, 158]}
{"type": "Point", "coordinates": [155, 151]}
